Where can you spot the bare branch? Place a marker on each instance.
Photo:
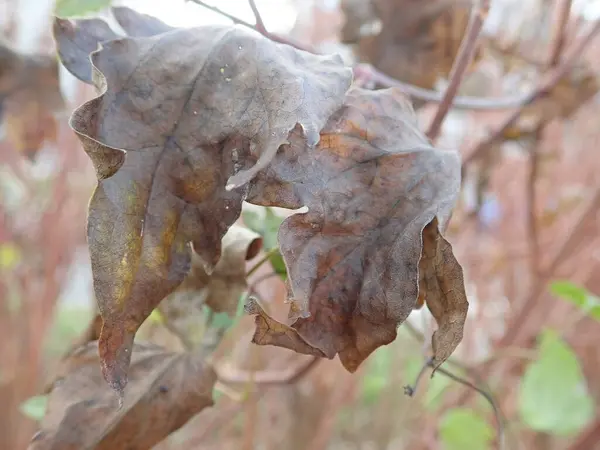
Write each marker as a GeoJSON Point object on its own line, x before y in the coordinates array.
{"type": "Point", "coordinates": [288, 376]}
{"type": "Point", "coordinates": [462, 102]}
{"type": "Point", "coordinates": [369, 72]}
{"type": "Point", "coordinates": [260, 25]}
{"type": "Point", "coordinates": [465, 56]}
{"type": "Point", "coordinates": [544, 87]}
{"type": "Point", "coordinates": [558, 41]}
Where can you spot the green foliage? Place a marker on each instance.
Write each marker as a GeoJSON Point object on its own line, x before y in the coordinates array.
{"type": "Point", "coordinates": [34, 407]}
{"type": "Point", "coordinates": [553, 396]}
{"type": "Point", "coordinates": [10, 256]}
{"type": "Point", "coordinates": [70, 8]}
{"type": "Point", "coordinates": [465, 429]}
{"type": "Point", "coordinates": [578, 296]}
{"type": "Point", "coordinates": [267, 227]}
{"type": "Point", "coordinates": [68, 324]}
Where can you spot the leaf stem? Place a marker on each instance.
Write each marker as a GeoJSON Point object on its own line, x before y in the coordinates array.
{"type": "Point", "coordinates": [411, 390]}
{"type": "Point", "coordinates": [266, 257]}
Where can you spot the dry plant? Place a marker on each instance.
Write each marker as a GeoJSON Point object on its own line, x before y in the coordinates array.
{"type": "Point", "coordinates": [207, 141]}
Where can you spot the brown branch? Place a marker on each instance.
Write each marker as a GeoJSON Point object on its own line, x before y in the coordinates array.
{"type": "Point", "coordinates": [287, 376]}
{"type": "Point", "coordinates": [428, 95]}
{"type": "Point", "coordinates": [563, 12]}
{"type": "Point", "coordinates": [465, 56]}
{"type": "Point", "coordinates": [558, 41]}
{"type": "Point", "coordinates": [543, 88]}
{"type": "Point", "coordinates": [260, 25]}
{"type": "Point", "coordinates": [532, 227]}
{"type": "Point", "coordinates": [588, 439]}
{"type": "Point", "coordinates": [368, 71]}
{"type": "Point", "coordinates": [265, 33]}
{"type": "Point", "coordinates": [515, 331]}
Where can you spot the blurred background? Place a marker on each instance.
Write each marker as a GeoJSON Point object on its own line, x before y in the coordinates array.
{"type": "Point", "coordinates": [526, 231]}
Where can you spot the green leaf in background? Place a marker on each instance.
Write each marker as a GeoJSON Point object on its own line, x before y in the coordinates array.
{"type": "Point", "coordinates": [34, 407]}
{"type": "Point", "coordinates": [267, 227]}
{"type": "Point", "coordinates": [553, 395]}
{"type": "Point", "coordinates": [578, 296]}
{"type": "Point", "coordinates": [435, 386]}
{"type": "Point", "coordinates": [10, 256]}
{"type": "Point", "coordinates": [69, 8]}
{"type": "Point", "coordinates": [377, 375]}
{"type": "Point", "coordinates": [69, 322]}
{"type": "Point", "coordinates": [464, 429]}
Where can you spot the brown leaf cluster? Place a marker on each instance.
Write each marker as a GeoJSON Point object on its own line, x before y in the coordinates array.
{"type": "Point", "coordinates": [190, 122]}
{"type": "Point", "coordinates": [372, 186]}
{"type": "Point", "coordinates": [415, 41]}
{"type": "Point", "coordinates": [168, 133]}
{"type": "Point", "coordinates": [165, 390]}
{"type": "Point", "coordinates": [29, 99]}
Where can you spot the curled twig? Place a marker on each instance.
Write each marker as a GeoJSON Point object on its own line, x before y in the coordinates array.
{"type": "Point", "coordinates": [410, 390]}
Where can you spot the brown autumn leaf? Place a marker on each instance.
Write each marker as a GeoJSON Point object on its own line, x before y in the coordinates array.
{"type": "Point", "coordinates": [371, 187]}
{"type": "Point", "coordinates": [30, 98]}
{"type": "Point", "coordinates": [220, 290]}
{"type": "Point", "coordinates": [441, 282]}
{"type": "Point", "coordinates": [74, 44]}
{"type": "Point", "coordinates": [415, 41]}
{"type": "Point", "coordinates": [183, 121]}
{"type": "Point", "coordinates": [165, 391]}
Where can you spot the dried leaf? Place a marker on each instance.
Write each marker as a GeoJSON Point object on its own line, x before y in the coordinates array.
{"type": "Point", "coordinates": [441, 282]}
{"type": "Point", "coordinates": [30, 98]}
{"type": "Point", "coordinates": [371, 187]}
{"type": "Point", "coordinates": [165, 391]}
{"type": "Point", "coordinates": [221, 290]}
{"type": "Point", "coordinates": [415, 41]}
{"type": "Point", "coordinates": [181, 115]}
{"type": "Point", "coordinates": [270, 332]}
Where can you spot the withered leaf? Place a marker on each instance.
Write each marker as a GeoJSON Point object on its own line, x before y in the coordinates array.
{"type": "Point", "coordinates": [441, 282]}
{"type": "Point", "coordinates": [220, 290]}
{"type": "Point", "coordinates": [415, 41]}
{"type": "Point", "coordinates": [165, 391]}
{"type": "Point", "coordinates": [270, 332]}
{"type": "Point", "coordinates": [371, 186]}
{"type": "Point", "coordinates": [181, 116]}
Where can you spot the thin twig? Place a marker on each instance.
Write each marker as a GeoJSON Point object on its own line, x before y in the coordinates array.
{"type": "Point", "coordinates": [532, 227]}
{"type": "Point", "coordinates": [411, 390]}
{"type": "Point", "coordinates": [273, 36]}
{"type": "Point", "coordinates": [570, 242]}
{"type": "Point", "coordinates": [288, 376]}
{"type": "Point", "coordinates": [543, 88]}
{"type": "Point", "coordinates": [558, 40]}
{"type": "Point", "coordinates": [260, 25]}
{"type": "Point", "coordinates": [461, 102]}
{"type": "Point", "coordinates": [370, 72]}
{"type": "Point", "coordinates": [463, 60]}
{"type": "Point", "coordinates": [266, 257]}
